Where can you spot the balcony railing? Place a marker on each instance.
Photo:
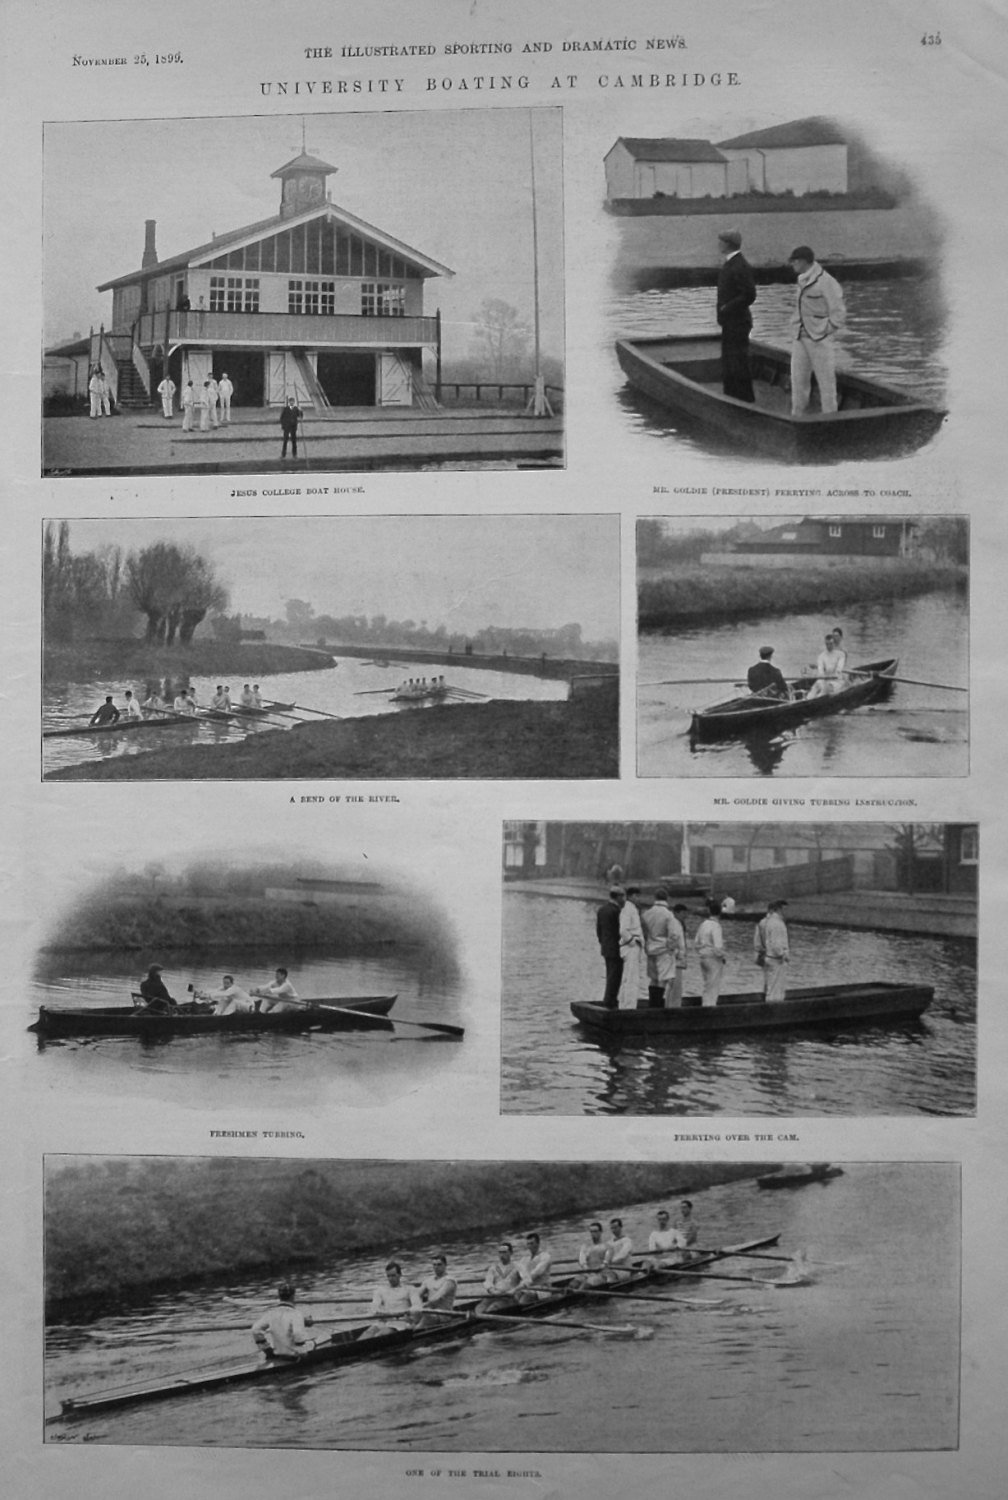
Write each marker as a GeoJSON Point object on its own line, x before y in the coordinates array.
{"type": "Point", "coordinates": [304, 330]}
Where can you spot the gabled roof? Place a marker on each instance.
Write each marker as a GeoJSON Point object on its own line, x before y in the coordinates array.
{"type": "Point", "coordinates": [667, 148]}
{"type": "Point", "coordinates": [816, 130]}
{"type": "Point", "coordinates": [305, 163]}
{"type": "Point", "coordinates": [264, 227]}
{"type": "Point", "coordinates": [70, 348]}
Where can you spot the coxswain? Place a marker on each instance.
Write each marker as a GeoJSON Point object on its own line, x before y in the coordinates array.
{"type": "Point", "coordinates": [281, 1333]}
{"type": "Point", "coordinates": [279, 995]}
{"type": "Point", "coordinates": [229, 1000]}
{"type": "Point", "coordinates": [436, 1294]}
{"type": "Point", "coordinates": [619, 1250]}
{"type": "Point", "coordinates": [154, 992]}
{"type": "Point", "coordinates": [132, 712]}
{"type": "Point", "coordinates": [534, 1271]}
{"type": "Point", "coordinates": [107, 713]}
{"type": "Point", "coordinates": [392, 1305]}
{"type": "Point", "coordinates": [766, 679]}
{"type": "Point", "coordinates": [592, 1258]}
{"type": "Point", "coordinates": [502, 1280]}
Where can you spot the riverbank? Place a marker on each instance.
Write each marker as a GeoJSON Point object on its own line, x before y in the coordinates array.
{"type": "Point", "coordinates": [126, 660]}
{"type": "Point", "coordinates": [126, 1228]}
{"type": "Point", "coordinates": [528, 741]}
{"type": "Point", "coordinates": [562, 668]}
{"type": "Point", "coordinates": [678, 596]}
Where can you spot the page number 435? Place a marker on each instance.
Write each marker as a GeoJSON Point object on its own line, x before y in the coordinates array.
{"type": "Point", "coordinates": [931, 39]}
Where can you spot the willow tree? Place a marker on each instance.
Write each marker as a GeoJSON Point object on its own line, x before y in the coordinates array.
{"type": "Point", "coordinates": [175, 588]}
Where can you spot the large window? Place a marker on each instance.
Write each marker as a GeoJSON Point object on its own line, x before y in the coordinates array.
{"type": "Point", "coordinates": [305, 296]}
{"type": "Point", "coordinates": [383, 299]}
{"type": "Point", "coordinates": [234, 294]}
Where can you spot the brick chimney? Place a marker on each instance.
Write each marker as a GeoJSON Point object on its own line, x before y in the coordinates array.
{"type": "Point", "coordinates": [150, 251]}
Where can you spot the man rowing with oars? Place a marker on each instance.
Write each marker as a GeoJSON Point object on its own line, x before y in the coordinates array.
{"type": "Point", "coordinates": [281, 1332]}
{"type": "Point", "coordinates": [278, 996]}
{"type": "Point", "coordinates": [502, 1280]}
{"type": "Point", "coordinates": [393, 1305]}
{"type": "Point", "coordinates": [534, 1271]}
{"type": "Point", "coordinates": [229, 1000]}
{"type": "Point", "coordinates": [619, 1252]}
{"type": "Point", "coordinates": [437, 1292]}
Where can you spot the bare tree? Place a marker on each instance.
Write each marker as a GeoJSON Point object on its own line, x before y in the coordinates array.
{"type": "Point", "coordinates": [501, 336]}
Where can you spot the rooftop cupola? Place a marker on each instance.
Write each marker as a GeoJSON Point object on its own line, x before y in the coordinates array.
{"type": "Point", "coordinates": [302, 184]}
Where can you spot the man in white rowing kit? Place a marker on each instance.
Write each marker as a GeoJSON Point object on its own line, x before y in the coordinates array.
{"type": "Point", "coordinates": [278, 996]}
{"type": "Point", "coordinates": [619, 1252]}
{"type": "Point", "coordinates": [229, 1000]}
{"type": "Point", "coordinates": [281, 1333]}
{"type": "Point", "coordinates": [256, 696]}
{"type": "Point", "coordinates": [664, 1238]}
{"type": "Point", "coordinates": [132, 711]}
{"type": "Point", "coordinates": [534, 1270]}
{"type": "Point", "coordinates": [183, 704]}
{"type": "Point", "coordinates": [393, 1305]}
{"type": "Point", "coordinates": [709, 944]}
{"type": "Point", "coordinates": [592, 1257]}
{"type": "Point", "coordinates": [221, 700]}
{"type": "Point", "coordinates": [830, 668]}
{"type": "Point", "coordinates": [247, 699]}
{"type": "Point", "coordinates": [502, 1280]}
{"type": "Point", "coordinates": [436, 1294]}
{"type": "Point", "coordinates": [772, 951]}
{"type": "Point", "coordinates": [686, 1230]}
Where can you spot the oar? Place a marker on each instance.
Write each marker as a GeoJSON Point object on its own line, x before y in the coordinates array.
{"type": "Point", "coordinates": [719, 1276]}
{"type": "Point", "coordinates": [442, 1026]}
{"type": "Point", "coordinates": [304, 708]}
{"type": "Point", "coordinates": [748, 1254]}
{"type": "Point", "coordinates": [617, 1296]}
{"type": "Point", "coordinates": [623, 1329]}
{"type": "Point", "coordinates": [692, 682]}
{"type": "Point", "coordinates": [372, 692]}
{"type": "Point", "coordinates": [946, 687]}
{"type": "Point", "coordinates": [378, 1022]}
{"type": "Point", "coordinates": [161, 1333]}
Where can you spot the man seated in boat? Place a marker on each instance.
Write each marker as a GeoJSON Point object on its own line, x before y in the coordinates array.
{"type": "Point", "coordinates": [830, 667]}
{"type": "Point", "coordinates": [619, 1252]}
{"type": "Point", "coordinates": [279, 995]}
{"type": "Point", "coordinates": [221, 700]}
{"type": "Point", "coordinates": [106, 713]}
{"type": "Point", "coordinates": [229, 1000]}
{"type": "Point", "coordinates": [664, 1240]}
{"type": "Point", "coordinates": [281, 1333]}
{"type": "Point", "coordinates": [436, 1294]}
{"type": "Point", "coordinates": [247, 699]}
{"type": "Point", "coordinates": [766, 679]}
{"type": "Point", "coordinates": [501, 1282]}
{"type": "Point", "coordinates": [191, 700]}
{"type": "Point", "coordinates": [592, 1258]}
{"type": "Point", "coordinates": [686, 1230]}
{"type": "Point", "coordinates": [155, 994]}
{"type": "Point", "coordinates": [534, 1270]}
{"type": "Point", "coordinates": [154, 703]}
{"type": "Point", "coordinates": [132, 712]}
{"type": "Point", "coordinates": [182, 703]}
{"type": "Point", "coordinates": [393, 1305]}
{"type": "Point", "coordinates": [256, 696]}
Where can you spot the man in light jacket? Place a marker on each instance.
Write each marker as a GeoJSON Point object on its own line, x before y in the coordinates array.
{"type": "Point", "coordinates": [772, 951]}
{"type": "Point", "coordinates": [819, 312]}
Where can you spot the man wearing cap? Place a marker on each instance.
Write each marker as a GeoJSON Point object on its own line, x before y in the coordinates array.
{"type": "Point", "coordinates": [764, 678]}
{"type": "Point", "coordinates": [819, 312]}
{"type": "Point", "coordinates": [772, 951]}
{"type": "Point", "coordinates": [736, 293]}
{"type": "Point", "coordinates": [154, 992]}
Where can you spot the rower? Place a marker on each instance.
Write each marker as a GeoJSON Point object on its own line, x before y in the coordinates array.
{"type": "Point", "coordinates": [618, 1263]}
{"type": "Point", "coordinates": [534, 1271]}
{"type": "Point", "coordinates": [393, 1304]}
{"type": "Point", "coordinates": [106, 713]}
{"type": "Point", "coordinates": [221, 700]}
{"type": "Point", "coordinates": [280, 1333]}
{"type": "Point", "coordinates": [131, 709]}
{"type": "Point", "coordinates": [766, 679]}
{"type": "Point", "coordinates": [153, 990]}
{"type": "Point", "coordinates": [256, 696]}
{"type": "Point", "coordinates": [154, 703]}
{"type": "Point", "coordinates": [592, 1258]}
{"type": "Point", "coordinates": [247, 699]}
{"type": "Point", "coordinates": [229, 1000]}
{"type": "Point", "coordinates": [502, 1280]}
{"type": "Point", "coordinates": [686, 1229]}
{"type": "Point", "coordinates": [664, 1237]}
{"type": "Point", "coordinates": [278, 996]}
{"type": "Point", "coordinates": [191, 700]}
{"type": "Point", "coordinates": [437, 1292]}
{"type": "Point", "coordinates": [829, 667]}
{"type": "Point", "coordinates": [183, 704]}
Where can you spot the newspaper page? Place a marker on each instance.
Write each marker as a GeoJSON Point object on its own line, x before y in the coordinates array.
{"type": "Point", "coordinates": [504, 846]}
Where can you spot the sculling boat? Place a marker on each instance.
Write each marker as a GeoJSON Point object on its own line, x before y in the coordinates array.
{"type": "Point", "coordinates": [420, 693]}
{"type": "Point", "coordinates": [350, 1346]}
{"type": "Point", "coordinates": [370, 1013]}
{"type": "Point", "coordinates": [683, 374]}
{"type": "Point", "coordinates": [823, 1005]}
{"type": "Point", "coordinates": [168, 721]}
{"type": "Point", "coordinates": [872, 683]}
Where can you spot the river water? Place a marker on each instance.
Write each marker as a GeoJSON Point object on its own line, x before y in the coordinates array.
{"type": "Point", "coordinates": [363, 1068]}
{"type": "Point", "coordinates": [892, 335]}
{"type": "Point", "coordinates": [920, 731]}
{"type": "Point", "coordinates": [864, 1357]}
{"type": "Point", "coordinates": [551, 1066]}
{"type": "Point", "coordinates": [352, 689]}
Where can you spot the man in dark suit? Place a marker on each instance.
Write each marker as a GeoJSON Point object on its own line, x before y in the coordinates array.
{"type": "Point", "coordinates": [763, 677]}
{"type": "Point", "coordinates": [736, 293]}
{"type": "Point", "coordinates": [607, 929]}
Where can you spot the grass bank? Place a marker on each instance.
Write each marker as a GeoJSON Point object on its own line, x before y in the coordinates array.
{"type": "Point", "coordinates": [484, 741]}
{"type": "Point", "coordinates": [127, 1227]}
{"type": "Point", "coordinates": [697, 592]}
{"type": "Point", "coordinates": [128, 661]}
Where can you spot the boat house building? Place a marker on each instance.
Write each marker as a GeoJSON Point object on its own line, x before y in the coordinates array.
{"type": "Point", "coordinates": [312, 303]}
{"type": "Point", "coordinates": [819, 540]}
{"type": "Point", "coordinates": [802, 156]}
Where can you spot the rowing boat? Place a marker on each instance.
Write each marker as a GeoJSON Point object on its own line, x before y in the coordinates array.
{"type": "Point", "coordinates": [683, 374]}
{"type": "Point", "coordinates": [420, 694]}
{"type": "Point", "coordinates": [872, 683]}
{"type": "Point", "coordinates": [168, 721]}
{"type": "Point", "coordinates": [352, 1345]}
{"type": "Point", "coordinates": [824, 1005]}
{"type": "Point", "coordinates": [370, 1013]}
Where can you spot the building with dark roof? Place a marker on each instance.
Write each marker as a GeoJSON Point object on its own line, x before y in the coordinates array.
{"type": "Point", "coordinates": [311, 302]}
{"type": "Point", "coordinates": [801, 156]}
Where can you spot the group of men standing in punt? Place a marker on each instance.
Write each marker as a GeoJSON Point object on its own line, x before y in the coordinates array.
{"type": "Point", "coordinates": [644, 949]}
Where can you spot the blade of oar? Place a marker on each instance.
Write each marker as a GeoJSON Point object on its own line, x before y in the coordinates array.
{"type": "Point", "coordinates": [441, 1026]}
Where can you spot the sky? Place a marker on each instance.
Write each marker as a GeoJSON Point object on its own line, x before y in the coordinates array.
{"type": "Point", "coordinates": [464, 572]}
{"type": "Point", "coordinates": [452, 184]}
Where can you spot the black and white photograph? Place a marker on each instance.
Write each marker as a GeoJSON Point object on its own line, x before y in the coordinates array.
{"type": "Point", "coordinates": [471, 1306]}
{"type": "Point", "coordinates": [776, 291]}
{"type": "Point", "coordinates": [361, 291]}
{"type": "Point", "coordinates": [837, 645]}
{"type": "Point", "coordinates": [742, 968]}
{"type": "Point", "coordinates": [395, 646]}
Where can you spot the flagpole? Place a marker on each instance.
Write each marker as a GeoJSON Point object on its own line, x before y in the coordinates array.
{"type": "Point", "coordinates": [539, 405]}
